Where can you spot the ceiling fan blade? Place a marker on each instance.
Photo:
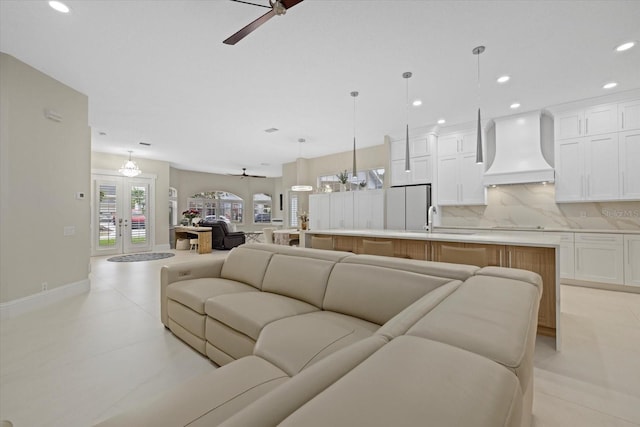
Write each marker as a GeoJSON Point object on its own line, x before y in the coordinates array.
{"type": "Point", "coordinates": [288, 4]}
{"type": "Point", "coordinates": [249, 28]}
{"type": "Point", "coordinates": [252, 4]}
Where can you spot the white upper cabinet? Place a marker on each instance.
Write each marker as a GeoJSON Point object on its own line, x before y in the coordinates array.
{"type": "Point", "coordinates": [459, 177]}
{"type": "Point", "coordinates": [420, 162]}
{"type": "Point", "coordinates": [629, 143]}
{"type": "Point", "coordinates": [629, 115]}
{"type": "Point", "coordinates": [591, 121]}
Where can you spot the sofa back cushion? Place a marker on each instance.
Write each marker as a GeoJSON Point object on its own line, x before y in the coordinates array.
{"type": "Point", "coordinates": [375, 294]}
{"type": "Point", "coordinates": [298, 277]}
{"type": "Point", "coordinates": [246, 266]}
{"type": "Point", "coordinates": [431, 268]}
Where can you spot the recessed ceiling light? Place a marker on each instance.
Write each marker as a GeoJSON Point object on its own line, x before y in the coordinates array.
{"type": "Point", "coordinates": [514, 105]}
{"type": "Point", "coordinates": [59, 6]}
{"type": "Point", "coordinates": [442, 121]}
{"type": "Point", "coordinates": [102, 133]}
{"type": "Point", "coordinates": [271, 130]}
{"type": "Point", "coordinates": [417, 103]}
{"type": "Point", "coordinates": [609, 85]}
{"type": "Point", "coordinates": [503, 79]}
{"type": "Point", "coordinates": [625, 46]}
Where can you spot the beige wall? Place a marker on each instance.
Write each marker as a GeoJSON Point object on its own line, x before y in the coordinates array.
{"type": "Point", "coordinates": [111, 162]}
{"type": "Point", "coordinates": [189, 183]}
{"type": "Point", "coordinates": [43, 164]}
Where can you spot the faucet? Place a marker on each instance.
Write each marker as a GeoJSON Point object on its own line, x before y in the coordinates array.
{"type": "Point", "coordinates": [432, 211]}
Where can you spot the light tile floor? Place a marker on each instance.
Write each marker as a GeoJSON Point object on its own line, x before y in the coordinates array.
{"type": "Point", "coordinates": [84, 359]}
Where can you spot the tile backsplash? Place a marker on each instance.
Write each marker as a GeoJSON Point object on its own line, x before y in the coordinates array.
{"type": "Point", "coordinates": [534, 205]}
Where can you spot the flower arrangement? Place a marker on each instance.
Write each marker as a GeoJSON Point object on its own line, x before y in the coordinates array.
{"type": "Point", "coordinates": [343, 177]}
{"type": "Point", "coordinates": [190, 214]}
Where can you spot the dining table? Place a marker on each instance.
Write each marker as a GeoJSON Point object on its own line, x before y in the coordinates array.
{"type": "Point", "coordinates": [284, 237]}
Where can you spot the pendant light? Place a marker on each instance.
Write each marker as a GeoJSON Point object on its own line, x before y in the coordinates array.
{"type": "Point", "coordinates": [479, 159]}
{"type": "Point", "coordinates": [354, 175]}
{"type": "Point", "coordinates": [407, 166]}
{"type": "Point", "coordinates": [130, 168]}
{"type": "Point", "coordinates": [298, 186]}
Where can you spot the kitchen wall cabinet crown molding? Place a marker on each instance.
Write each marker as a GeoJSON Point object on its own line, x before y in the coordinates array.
{"type": "Point", "coordinates": [459, 177]}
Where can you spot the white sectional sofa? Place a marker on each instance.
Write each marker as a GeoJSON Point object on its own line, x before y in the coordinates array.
{"type": "Point", "coordinates": [309, 337]}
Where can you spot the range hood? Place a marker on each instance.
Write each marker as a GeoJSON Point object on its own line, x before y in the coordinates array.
{"type": "Point", "coordinates": [518, 151]}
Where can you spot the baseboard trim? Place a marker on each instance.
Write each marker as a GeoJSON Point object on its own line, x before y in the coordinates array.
{"type": "Point", "coordinates": [164, 247]}
{"type": "Point", "coordinates": [598, 285]}
{"type": "Point", "coordinates": [33, 302]}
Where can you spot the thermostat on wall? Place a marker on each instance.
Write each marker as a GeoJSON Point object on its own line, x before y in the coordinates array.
{"type": "Point", "coordinates": [80, 195]}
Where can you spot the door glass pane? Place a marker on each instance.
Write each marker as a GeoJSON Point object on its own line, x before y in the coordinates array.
{"type": "Point", "coordinates": [138, 215]}
{"type": "Point", "coordinates": [107, 216]}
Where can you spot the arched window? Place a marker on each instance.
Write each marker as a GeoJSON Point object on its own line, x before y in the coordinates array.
{"type": "Point", "coordinates": [261, 208]}
{"type": "Point", "coordinates": [217, 205]}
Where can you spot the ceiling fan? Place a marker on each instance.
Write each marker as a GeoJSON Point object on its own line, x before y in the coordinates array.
{"type": "Point", "coordinates": [244, 174]}
{"type": "Point", "coordinates": [278, 7]}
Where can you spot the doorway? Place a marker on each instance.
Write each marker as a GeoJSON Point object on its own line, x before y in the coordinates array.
{"type": "Point", "coordinates": [121, 215]}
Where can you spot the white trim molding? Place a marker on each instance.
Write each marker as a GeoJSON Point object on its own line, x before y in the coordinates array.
{"type": "Point", "coordinates": [163, 247]}
{"type": "Point", "coordinates": [33, 302]}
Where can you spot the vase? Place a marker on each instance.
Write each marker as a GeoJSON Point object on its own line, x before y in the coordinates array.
{"type": "Point", "coordinates": [343, 187]}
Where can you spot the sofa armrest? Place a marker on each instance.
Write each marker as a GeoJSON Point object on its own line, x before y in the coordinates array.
{"type": "Point", "coordinates": [185, 271]}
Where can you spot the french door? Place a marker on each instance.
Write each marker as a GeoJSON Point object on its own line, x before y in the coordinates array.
{"type": "Point", "coordinates": [121, 215]}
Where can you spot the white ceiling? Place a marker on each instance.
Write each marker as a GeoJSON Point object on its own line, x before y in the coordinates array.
{"type": "Point", "coordinates": [158, 72]}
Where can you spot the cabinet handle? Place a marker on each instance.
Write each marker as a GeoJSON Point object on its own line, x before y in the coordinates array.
{"type": "Point", "coordinates": [629, 253]}
{"type": "Point", "coordinates": [586, 122]}
{"type": "Point", "coordinates": [500, 257]}
{"type": "Point", "coordinates": [579, 126]}
{"type": "Point", "coordinates": [622, 119]}
{"type": "Point", "coordinates": [509, 259]}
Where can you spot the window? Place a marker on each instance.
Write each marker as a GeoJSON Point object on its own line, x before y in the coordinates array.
{"type": "Point", "coordinates": [261, 208]}
{"type": "Point", "coordinates": [370, 179]}
{"type": "Point", "coordinates": [217, 205]}
{"type": "Point", "coordinates": [293, 210]}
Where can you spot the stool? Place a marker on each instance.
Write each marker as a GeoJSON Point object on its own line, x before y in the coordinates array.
{"type": "Point", "coordinates": [372, 247]}
{"type": "Point", "coordinates": [194, 244]}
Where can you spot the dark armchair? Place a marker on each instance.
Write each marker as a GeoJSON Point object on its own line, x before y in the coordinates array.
{"type": "Point", "coordinates": [221, 237]}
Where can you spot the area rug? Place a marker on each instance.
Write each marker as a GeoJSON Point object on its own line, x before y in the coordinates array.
{"type": "Point", "coordinates": [141, 257]}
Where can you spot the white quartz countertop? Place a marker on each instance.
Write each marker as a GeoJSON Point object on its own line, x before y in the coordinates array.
{"type": "Point", "coordinates": [488, 238]}
{"type": "Point", "coordinates": [495, 229]}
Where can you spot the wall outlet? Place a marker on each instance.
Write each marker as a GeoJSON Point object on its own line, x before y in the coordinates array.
{"type": "Point", "coordinates": [45, 286]}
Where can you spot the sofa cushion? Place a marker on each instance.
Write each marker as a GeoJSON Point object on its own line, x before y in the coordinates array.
{"type": "Point", "coordinates": [249, 312]}
{"type": "Point", "coordinates": [431, 268]}
{"type": "Point", "coordinates": [412, 381]}
{"type": "Point", "coordinates": [246, 265]}
{"type": "Point", "coordinates": [208, 399]}
{"type": "Point", "coordinates": [193, 293]}
{"type": "Point", "coordinates": [334, 256]}
{"type": "Point", "coordinates": [274, 407]}
{"type": "Point", "coordinates": [301, 278]}
{"type": "Point", "coordinates": [296, 342]}
{"type": "Point", "coordinates": [375, 294]}
{"type": "Point", "coordinates": [232, 343]}
{"type": "Point", "coordinates": [490, 316]}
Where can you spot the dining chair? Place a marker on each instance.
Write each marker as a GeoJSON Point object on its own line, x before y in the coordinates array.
{"type": "Point", "coordinates": [322, 242]}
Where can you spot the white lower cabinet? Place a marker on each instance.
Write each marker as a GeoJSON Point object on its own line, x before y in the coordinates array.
{"type": "Point", "coordinates": [319, 211]}
{"type": "Point", "coordinates": [632, 259]}
{"type": "Point", "coordinates": [567, 253]}
{"type": "Point", "coordinates": [599, 257]}
{"type": "Point", "coordinates": [368, 209]}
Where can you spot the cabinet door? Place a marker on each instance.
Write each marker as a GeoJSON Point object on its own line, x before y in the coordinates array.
{"type": "Point", "coordinates": [601, 168]}
{"type": "Point", "coordinates": [377, 209]}
{"type": "Point", "coordinates": [319, 211]}
{"type": "Point", "coordinates": [568, 124]}
{"type": "Point", "coordinates": [569, 171]}
{"type": "Point", "coordinates": [469, 142]}
{"type": "Point", "coordinates": [448, 144]}
{"type": "Point", "coordinates": [472, 192]}
{"type": "Point", "coordinates": [368, 209]}
{"type": "Point", "coordinates": [398, 174]}
{"type": "Point", "coordinates": [632, 259]}
{"type": "Point", "coordinates": [567, 253]}
{"type": "Point", "coordinates": [395, 208]}
{"type": "Point", "coordinates": [448, 181]}
{"type": "Point", "coordinates": [629, 144]}
{"type": "Point", "coordinates": [601, 119]}
{"type": "Point", "coordinates": [421, 170]}
{"type": "Point", "coordinates": [599, 258]}
{"type": "Point", "coordinates": [629, 115]}
{"type": "Point", "coordinates": [419, 146]}
{"type": "Point", "coordinates": [342, 210]}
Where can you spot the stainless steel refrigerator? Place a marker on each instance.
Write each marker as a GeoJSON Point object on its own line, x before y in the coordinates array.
{"type": "Point", "coordinates": [407, 207]}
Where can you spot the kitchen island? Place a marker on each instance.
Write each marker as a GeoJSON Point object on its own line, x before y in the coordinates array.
{"type": "Point", "coordinates": [535, 253]}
